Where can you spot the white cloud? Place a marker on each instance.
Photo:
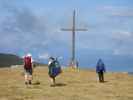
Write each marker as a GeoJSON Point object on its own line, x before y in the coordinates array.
{"type": "Point", "coordinates": [123, 41]}
{"type": "Point", "coordinates": [118, 11]}
{"type": "Point", "coordinates": [44, 56]}
{"type": "Point", "coordinates": [126, 33]}
{"type": "Point", "coordinates": [122, 13]}
{"type": "Point", "coordinates": [60, 58]}
{"type": "Point", "coordinates": [117, 52]}
{"type": "Point", "coordinates": [123, 51]}
{"type": "Point", "coordinates": [23, 29]}
{"type": "Point", "coordinates": [121, 35]}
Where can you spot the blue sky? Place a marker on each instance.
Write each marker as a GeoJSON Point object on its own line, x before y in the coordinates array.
{"type": "Point", "coordinates": [34, 26]}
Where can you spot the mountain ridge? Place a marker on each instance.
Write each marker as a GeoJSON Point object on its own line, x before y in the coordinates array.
{"type": "Point", "coordinates": [6, 60]}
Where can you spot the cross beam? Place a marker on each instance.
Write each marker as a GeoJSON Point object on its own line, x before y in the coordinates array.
{"type": "Point", "coordinates": [73, 30]}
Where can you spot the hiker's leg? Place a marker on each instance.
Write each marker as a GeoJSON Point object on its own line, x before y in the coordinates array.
{"type": "Point", "coordinates": [25, 76]}
{"type": "Point", "coordinates": [99, 76]}
{"type": "Point", "coordinates": [30, 79]}
{"type": "Point", "coordinates": [102, 76]}
{"type": "Point", "coordinates": [30, 76]}
{"type": "Point", "coordinates": [26, 79]}
{"type": "Point", "coordinates": [54, 80]}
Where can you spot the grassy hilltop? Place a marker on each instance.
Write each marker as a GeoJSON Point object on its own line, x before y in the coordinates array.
{"type": "Point", "coordinates": [72, 85]}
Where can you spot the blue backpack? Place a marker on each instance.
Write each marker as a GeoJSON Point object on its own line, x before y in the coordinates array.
{"type": "Point", "coordinates": [55, 69]}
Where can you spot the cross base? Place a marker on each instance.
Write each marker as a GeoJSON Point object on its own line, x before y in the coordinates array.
{"type": "Point", "coordinates": [73, 64]}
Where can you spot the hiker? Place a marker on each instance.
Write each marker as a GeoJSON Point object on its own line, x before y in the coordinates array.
{"type": "Point", "coordinates": [100, 69]}
{"type": "Point", "coordinates": [28, 69]}
{"type": "Point", "coordinates": [54, 69]}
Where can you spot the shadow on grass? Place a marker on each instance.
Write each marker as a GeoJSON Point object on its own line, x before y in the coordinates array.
{"type": "Point", "coordinates": [104, 82]}
{"type": "Point", "coordinates": [58, 85]}
{"type": "Point", "coordinates": [36, 83]}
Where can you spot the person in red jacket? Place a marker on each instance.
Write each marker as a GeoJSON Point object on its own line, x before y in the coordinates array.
{"type": "Point", "coordinates": [28, 69]}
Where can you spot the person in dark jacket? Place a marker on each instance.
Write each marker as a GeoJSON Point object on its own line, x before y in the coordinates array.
{"type": "Point", "coordinates": [54, 69]}
{"type": "Point", "coordinates": [100, 69]}
{"type": "Point", "coordinates": [50, 67]}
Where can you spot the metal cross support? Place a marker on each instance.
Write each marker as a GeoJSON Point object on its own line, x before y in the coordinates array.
{"type": "Point", "coordinates": [73, 30]}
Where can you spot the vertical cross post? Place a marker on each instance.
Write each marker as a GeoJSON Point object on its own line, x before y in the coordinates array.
{"type": "Point", "coordinates": [73, 30]}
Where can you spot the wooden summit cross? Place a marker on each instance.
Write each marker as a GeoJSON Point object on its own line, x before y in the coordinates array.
{"type": "Point", "coordinates": [73, 62]}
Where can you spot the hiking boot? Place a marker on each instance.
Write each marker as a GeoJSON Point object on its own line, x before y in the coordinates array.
{"type": "Point", "coordinates": [52, 85]}
{"type": "Point", "coordinates": [30, 82]}
{"type": "Point", "coordinates": [26, 83]}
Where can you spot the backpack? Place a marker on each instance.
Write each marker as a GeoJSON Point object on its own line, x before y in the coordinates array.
{"type": "Point", "coordinates": [55, 69]}
{"type": "Point", "coordinates": [27, 63]}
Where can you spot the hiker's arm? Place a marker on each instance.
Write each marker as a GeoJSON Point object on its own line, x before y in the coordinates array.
{"type": "Point", "coordinates": [104, 69]}
{"type": "Point", "coordinates": [23, 63]}
{"type": "Point", "coordinates": [97, 69]}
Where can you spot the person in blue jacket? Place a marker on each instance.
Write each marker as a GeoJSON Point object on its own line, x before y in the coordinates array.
{"type": "Point", "coordinates": [100, 69]}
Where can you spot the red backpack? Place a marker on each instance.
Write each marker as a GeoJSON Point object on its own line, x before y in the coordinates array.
{"type": "Point", "coordinates": [27, 62]}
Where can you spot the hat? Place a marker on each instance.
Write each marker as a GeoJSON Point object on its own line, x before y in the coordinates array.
{"type": "Point", "coordinates": [51, 58]}
{"type": "Point", "coordinates": [28, 55]}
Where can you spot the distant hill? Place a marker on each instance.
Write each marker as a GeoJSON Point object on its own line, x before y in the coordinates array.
{"type": "Point", "coordinates": [6, 60]}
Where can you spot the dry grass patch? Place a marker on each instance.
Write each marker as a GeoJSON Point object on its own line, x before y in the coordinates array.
{"type": "Point", "coordinates": [71, 85]}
